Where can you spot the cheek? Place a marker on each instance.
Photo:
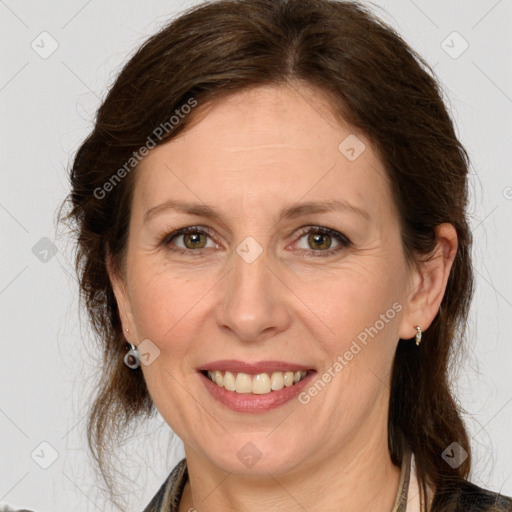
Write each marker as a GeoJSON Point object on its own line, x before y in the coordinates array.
{"type": "Point", "coordinates": [348, 301]}
{"type": "Point", "coordinates": [164, 305]}
{"type": "Point", "coordinates": [357, 325]}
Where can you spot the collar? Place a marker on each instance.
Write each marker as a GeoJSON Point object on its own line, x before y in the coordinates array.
{"type": "Point", "coordinates": [408, 498]}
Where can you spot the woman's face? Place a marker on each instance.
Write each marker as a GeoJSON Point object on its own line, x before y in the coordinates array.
{"type": "Point", "coordinates": [273, 278]}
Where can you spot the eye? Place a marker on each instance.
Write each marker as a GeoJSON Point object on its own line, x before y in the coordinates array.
{"type": "Point", "coordinates": [192, 239]}
{"type": "Point", "coordinates": [319, 240]}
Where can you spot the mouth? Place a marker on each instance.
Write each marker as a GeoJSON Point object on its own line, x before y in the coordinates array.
{"type": "Point", "coordinates": [254, 387]}
{"type": "Point", "coordinates": [257, 384]}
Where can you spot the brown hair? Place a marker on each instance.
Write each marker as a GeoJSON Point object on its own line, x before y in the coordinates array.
{"type": "Point", "coordinates": [379, 85]}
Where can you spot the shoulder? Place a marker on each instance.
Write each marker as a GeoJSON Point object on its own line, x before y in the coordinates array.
{"type": "Point", "coordinates": [168, 496]}
{"type": "Point", "coordinates": [469, 497]}
{"type": "Point", "coordinates": [483, 499]}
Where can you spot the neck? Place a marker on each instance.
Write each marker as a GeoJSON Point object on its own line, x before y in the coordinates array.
{"type": "Point", "coordinates": [359, 477]}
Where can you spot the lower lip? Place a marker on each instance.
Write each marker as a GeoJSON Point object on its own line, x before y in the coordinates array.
{"type": "Point", "coordinates": [249, 402]}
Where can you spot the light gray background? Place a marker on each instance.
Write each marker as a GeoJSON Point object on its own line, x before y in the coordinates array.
{"type": "Point", "coordinates": [47, 108]}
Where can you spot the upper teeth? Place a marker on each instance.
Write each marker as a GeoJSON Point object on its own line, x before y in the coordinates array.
{"type": "Point", "coordinates": [259, 384]}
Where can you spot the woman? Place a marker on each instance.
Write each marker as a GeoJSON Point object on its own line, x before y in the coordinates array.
{"type": "Point", "coordinates": [273, 247]}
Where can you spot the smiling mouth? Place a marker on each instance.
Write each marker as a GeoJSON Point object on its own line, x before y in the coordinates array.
{"type": "Point", "coordinates": [258, 384]}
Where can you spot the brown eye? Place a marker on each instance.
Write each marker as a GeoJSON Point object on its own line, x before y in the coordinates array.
{"type": "Point", "coordinates": [320, 241]}
{"type": "Point", "coordinates": [194, 240]}
{"type": "Point", "coordinates": [190, 239]}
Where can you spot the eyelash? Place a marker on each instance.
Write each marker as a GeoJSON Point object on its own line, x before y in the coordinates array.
{"type": "Point", "coordinates": [344, 242]}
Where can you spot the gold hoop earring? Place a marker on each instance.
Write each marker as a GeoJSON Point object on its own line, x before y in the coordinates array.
{"type": "Point", "coordinates": [418, 335]}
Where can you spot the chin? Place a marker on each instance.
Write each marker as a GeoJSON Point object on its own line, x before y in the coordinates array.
{"type": "Point", "coordinates": [255, 455]}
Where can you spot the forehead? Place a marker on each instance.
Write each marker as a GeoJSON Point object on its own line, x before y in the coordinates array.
{"type": "Point", "coordinates": [263, 144]}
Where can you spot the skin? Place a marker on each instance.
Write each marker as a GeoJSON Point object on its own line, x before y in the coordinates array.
{"type": "Point", "coordinates": [250, 155]}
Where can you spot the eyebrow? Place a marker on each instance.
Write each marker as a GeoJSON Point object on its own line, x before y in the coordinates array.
{"type": "Point", "coordinates": [290, 212]}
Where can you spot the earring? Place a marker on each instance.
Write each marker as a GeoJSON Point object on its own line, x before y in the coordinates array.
{"type": "Point", "coordinates": [418, 335]}
{"type": "Point", "coordinates": [131, 359]}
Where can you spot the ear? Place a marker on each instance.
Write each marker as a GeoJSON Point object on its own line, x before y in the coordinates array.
{"type": "Point", "coordinates": [428, 283]}
{"type": "Point", "coordinates": [122, 298]}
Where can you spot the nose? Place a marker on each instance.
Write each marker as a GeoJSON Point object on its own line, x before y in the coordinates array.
{"type": "Point", "coordinates": [254, 304]}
